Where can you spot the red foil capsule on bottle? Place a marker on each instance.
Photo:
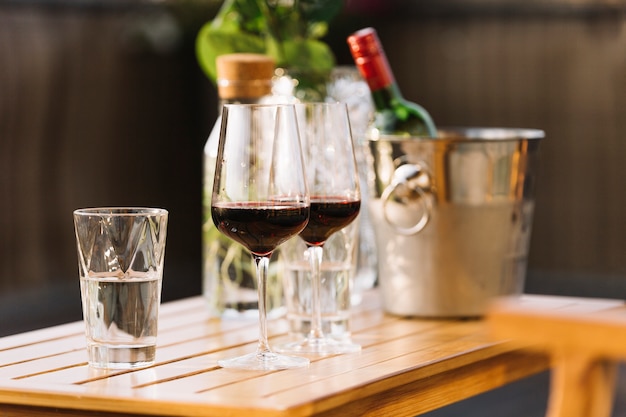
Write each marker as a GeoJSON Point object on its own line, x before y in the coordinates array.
{"type": "Point", "coordinates": [370, 58]}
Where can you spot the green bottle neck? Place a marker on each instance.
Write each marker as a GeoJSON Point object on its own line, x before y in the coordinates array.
{"type": "Point", "coordinates": [385, 97]}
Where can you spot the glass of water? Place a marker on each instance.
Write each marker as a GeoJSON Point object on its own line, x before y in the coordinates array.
{"type": "Point", "coordinates": [337, 274]}
{"type": "Point", "coordinates": [120, 263]}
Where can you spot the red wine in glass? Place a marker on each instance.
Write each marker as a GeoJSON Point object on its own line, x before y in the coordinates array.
{"type": "Point", "coordinates": [328, 215]}
{"type": "Point", "coordinates": [260, 226]}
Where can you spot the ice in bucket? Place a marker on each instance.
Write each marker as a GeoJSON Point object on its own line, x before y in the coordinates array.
{"type": "Point", "coordinates": [453, 218]}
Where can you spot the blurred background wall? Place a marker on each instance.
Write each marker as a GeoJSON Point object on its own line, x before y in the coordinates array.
{"type": "Point", "coordinates": [103, 103]}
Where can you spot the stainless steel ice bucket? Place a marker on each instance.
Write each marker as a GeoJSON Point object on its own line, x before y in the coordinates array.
{"type": "Point", "coordinates": [453, 218]}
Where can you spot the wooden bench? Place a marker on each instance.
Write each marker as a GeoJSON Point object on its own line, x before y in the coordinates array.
{"type": "Point", "coordinates": [585, 342]}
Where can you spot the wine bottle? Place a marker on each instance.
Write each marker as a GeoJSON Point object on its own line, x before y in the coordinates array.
{"type": "Point", "coordinates": [394, 115]}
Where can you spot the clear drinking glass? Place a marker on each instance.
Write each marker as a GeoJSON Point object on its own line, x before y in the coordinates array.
{"type": "Point", "coordinates": [260, 200]}
{"type": "Point", "coordinates": [333, 181]}
{"type": "Point", "coordinates": [120, 262]}
{"type": "Point", "coordinates": [337, 274]}
{"type": "Point", "coordinates": [347, 85]}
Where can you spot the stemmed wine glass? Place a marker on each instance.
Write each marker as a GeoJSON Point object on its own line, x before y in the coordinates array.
{"type": "Point", "coordinates": [260, 199]}
{"type": "Point", "coordinates": [333, 182]}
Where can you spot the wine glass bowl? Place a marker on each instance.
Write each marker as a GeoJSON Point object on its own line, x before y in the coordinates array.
{"type": "Point", "coordinates": [260, 226]}
{"type": "Point", "coordinates": [335, 198]}
{"type": "Point", "coordinates": [260, 199]}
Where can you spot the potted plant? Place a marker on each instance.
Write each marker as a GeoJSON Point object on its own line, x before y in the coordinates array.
{"type": "Point", "coordinates": [290, 31]}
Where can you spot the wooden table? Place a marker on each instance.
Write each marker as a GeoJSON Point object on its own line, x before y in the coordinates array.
{"type": "Point", "coordinates": [406, 367]}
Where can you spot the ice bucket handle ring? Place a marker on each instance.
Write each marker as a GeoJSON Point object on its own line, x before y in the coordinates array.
{"type": "Point", "coordinates": [404, 185]}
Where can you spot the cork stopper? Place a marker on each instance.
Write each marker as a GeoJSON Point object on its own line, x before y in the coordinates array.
{"type": "Point", "coordinates": [244, 75]}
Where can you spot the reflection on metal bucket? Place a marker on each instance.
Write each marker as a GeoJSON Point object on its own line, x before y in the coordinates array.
{"type": "Point", "coordinates": [453, 218]}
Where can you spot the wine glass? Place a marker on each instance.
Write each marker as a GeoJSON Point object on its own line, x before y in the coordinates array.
{"type": "Point", "coordinates": [333, 182]}
{"type": "Point", "coordinates": [260, 199]}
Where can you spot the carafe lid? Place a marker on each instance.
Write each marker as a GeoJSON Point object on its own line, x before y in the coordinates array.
{"type": "Point", "coordinates": [244, 75]}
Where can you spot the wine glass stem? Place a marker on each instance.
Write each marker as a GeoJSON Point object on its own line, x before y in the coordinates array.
{"type": "Point", "coordinates": [262, 265]}
{"type": "Point", "coordinates": [315, 259]}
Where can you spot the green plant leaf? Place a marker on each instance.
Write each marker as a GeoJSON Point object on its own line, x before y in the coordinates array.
{"type": "Point", "coordinates": [319, 10]}
{"type": "Point", "coordinates": [213, 42]}
{"type": "Point", "coordinates": [307, 54]}
{"type": "Point", "coordinates": [287, 31]}
{"type": "Point", "coordinates": [249, 16]}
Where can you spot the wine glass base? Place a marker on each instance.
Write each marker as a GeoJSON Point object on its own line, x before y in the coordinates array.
{"type": "Point", "coordinates": [320, 346]}
{"type": "Point", "coordinates": [264, 361]}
